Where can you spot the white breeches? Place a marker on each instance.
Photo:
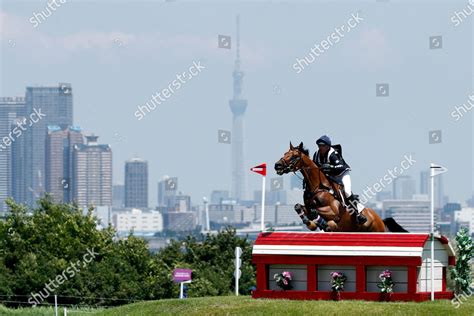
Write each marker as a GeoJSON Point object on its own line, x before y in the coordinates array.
{"type": "Point", "coordinates": [346, 180]}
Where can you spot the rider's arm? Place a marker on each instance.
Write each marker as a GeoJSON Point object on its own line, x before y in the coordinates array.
{"type": "Point", "coordinates": [337, 164]}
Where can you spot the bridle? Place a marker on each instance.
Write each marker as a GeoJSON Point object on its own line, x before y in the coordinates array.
{"type": "Point", "coordinates": [291, 167]}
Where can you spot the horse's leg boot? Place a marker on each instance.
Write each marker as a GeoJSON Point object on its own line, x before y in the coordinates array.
{"type": "Point", "coordinates": [318, 219]}
{"type": "Point", "coordinates": [300, 211]}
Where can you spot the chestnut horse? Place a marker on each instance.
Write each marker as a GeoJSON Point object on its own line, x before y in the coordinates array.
{"type": "Point", "coordinates": [320, 199]}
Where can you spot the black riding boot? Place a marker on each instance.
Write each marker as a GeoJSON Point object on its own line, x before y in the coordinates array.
{"type": "Point", "coordinates": [361, 219]}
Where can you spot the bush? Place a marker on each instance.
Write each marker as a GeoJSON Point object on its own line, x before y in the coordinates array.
{"type": "Point", "coordinates": [38, 245]}
{"type": "Point", "coordinates": [461, 273]}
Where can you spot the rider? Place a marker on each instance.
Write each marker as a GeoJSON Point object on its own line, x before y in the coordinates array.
{"type": "Point", "coordinates": [331, 163]}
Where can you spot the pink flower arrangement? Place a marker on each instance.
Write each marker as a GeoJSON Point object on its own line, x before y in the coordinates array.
{"type": "Point", "coordinates": [386, 284]}
{"type": "Point", "coordinates": [283, 280]}
{"type": "Point", "coordinates": [337, 281]}
{"type": "Point", "coordinates": [336, 275]}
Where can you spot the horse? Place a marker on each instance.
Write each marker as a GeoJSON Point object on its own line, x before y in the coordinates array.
{"type": "Point", "coordinates": [318, 197]}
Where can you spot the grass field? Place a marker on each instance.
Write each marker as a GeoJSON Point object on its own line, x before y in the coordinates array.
{"type": "Point", "coordinates": [244, 305]}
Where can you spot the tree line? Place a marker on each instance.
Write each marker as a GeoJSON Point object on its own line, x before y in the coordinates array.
{"type": "Point", "coordinates": [41, 247]}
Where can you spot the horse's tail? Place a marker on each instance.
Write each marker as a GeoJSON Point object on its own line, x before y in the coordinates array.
{"type": "Point", "coordinates": [393, 226]}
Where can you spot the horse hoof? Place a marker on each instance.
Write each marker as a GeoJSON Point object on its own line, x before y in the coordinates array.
{"type": "Point", "coordinates": [332, 226]}
{"type": "Point", "coordinates": [298, 207]}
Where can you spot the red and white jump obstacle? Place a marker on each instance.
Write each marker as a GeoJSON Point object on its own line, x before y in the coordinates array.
{"type": "Point", "coordinates": [311, 257]}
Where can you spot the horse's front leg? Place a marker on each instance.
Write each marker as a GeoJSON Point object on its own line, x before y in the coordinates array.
{"type": "Point", "coordinates": [303, 214]}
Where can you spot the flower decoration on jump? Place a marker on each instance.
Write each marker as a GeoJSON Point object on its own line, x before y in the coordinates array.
{"type": "Point", "coordinates": [386, 283]}
{"type": "Point", "coordinates": [283, 280]}
{"type": "Point", "coordinates": [337, 281]}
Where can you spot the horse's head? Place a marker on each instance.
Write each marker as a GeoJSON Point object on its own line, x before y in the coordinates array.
{"type": "Point", "coordinates": [291, 160]}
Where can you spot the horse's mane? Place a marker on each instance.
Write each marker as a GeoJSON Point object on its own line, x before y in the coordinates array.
{"type": "Point", "coordinates": [304, 150]}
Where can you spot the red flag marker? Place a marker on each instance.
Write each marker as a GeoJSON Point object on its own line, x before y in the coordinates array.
{"type": "Point", "coordinates": [261, 169]}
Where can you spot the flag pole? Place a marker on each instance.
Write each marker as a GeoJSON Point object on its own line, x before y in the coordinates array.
{"type": "Point", "coordinates": [432, 231]}
{"type": "Point", "coordinates": [262, 170]}
{"type": "Point", "coordinates": [263, 204]}
{"type": "Point", "coordinates": [435, 171]}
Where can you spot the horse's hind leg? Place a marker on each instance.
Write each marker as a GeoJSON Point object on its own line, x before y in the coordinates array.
{"type": "Point", "coordinates": [303, 214]}
{"type": "Point", "coordinates": [332, 226]}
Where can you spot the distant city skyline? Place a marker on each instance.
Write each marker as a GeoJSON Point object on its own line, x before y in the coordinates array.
{"type": "Point", "coordinates": [114, 66]}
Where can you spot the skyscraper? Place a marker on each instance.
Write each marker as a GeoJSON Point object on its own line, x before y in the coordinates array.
{"type": "Point", "coordinates": [92, 173]}
{"type": "Point", "coordinates": [136, 183]}
{"type": "Point", "coordinates": [58, 172]}
{"type": "Point", "coordinates": [55, 104]}
{"type": "Point", "coordinates": [167, 191]}
{"type": "Point", "coordinates": [414, 216]}
{"type": "Point", "coordinates": [19, 171]}
{"type": "Point", "coordinates": [403, 188]}
{"type": "Point", "coordinates": [424, 182]}
{"type": "Point", "coordinates": [11, 108]}
{"type": "Point", "coordinates": [238, 105]}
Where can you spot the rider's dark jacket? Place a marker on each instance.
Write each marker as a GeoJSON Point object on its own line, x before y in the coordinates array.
{"type": "Point", "coordinates": [334, 159]}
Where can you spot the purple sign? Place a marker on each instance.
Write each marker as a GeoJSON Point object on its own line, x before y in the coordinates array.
{"type": "Point", "coordinates": [181, 275]}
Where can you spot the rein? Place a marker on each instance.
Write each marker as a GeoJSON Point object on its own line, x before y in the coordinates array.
{"type": "Point", "coordinates": [291, 168]}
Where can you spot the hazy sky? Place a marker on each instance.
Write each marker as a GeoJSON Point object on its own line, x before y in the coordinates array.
{"type": "Point", "coordinates": [116, 55]}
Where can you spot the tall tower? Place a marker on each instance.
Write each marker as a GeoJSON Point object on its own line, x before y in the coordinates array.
{"type": "Point", "coordinates": [136, 183]}
{"type": "Point", "coordinates": [11, 110]}
{"type": "Point", "coordinates": [60, 142]}
{"type": "Point", "coordinates": [424, 182]}
{"type": "Point", "coordinates": [45, 105]}
{"type": "Point", "coordinates": [92, 173]}
{"type": "Point", "coordinates": [403, 188]}
{"type": "Point", "coordinates": [238, 105]}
